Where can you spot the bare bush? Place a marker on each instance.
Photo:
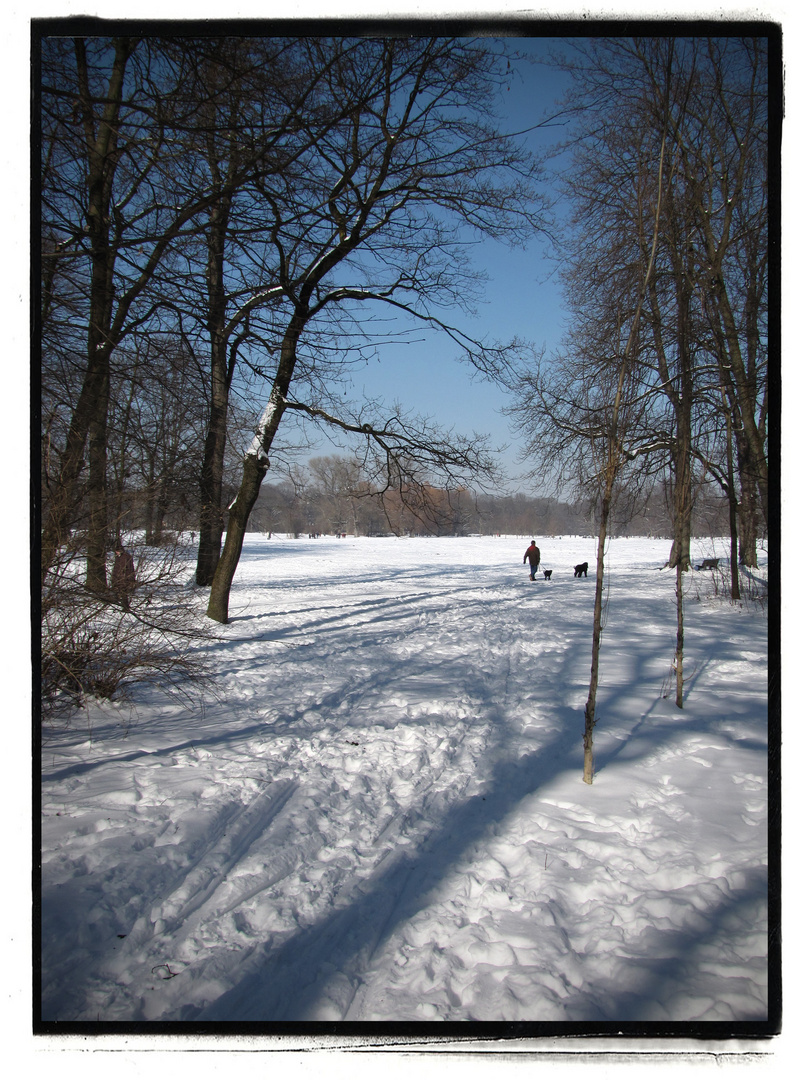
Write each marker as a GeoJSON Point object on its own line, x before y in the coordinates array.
{"type": "Point", "coordinates": [92, 647]}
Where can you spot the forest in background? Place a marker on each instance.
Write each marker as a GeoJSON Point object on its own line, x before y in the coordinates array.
{"type": "Point", "coordinates": [317, 502]}
{"type": "Point", "coordinates": [328, 495]}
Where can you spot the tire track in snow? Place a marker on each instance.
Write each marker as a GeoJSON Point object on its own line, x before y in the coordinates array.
{"type": "Point", "coordinates": [236, 829]}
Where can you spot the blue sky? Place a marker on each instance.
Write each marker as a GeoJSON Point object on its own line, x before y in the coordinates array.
{"type": "Point", "coordinates": [521, 299]}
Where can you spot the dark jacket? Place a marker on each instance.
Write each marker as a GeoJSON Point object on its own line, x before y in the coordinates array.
{"type": "Point", "coordinates": [532, 552]}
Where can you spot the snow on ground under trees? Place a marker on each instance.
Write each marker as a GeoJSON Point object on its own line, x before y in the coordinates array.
{"type": "Point", "coordinates": [380, 813]}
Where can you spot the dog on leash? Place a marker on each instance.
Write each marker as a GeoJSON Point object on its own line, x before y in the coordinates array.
{"type": "Point", "coordinates": [547, 574]}
{"type": "Point", "coordinates": [581, 569]}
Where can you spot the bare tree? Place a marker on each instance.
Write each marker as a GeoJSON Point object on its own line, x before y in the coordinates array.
{"type": "Point", "coordinates": [262, 108]}
{"type": "Point", "coordinates": [338, 482]}
{"type": "Point", "coordinates": [77, 100]}
{"type": "Point", "coordinates": [694, 367]}
{"type": "Point", "coordinates": [157, 421]}
{"type": "Point", "coordinates": [112, 212]}
{"type": "Point", "coordinates": [392, 188]}
{"type": "Point", "coordinates": [593, 407]}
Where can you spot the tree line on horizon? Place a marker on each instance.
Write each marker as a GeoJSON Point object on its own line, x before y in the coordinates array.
{"type": "Point", "coordinates": [329, 497]}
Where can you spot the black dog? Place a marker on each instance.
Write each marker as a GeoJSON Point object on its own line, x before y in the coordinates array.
{"type": "Point", "coordinates": [547, 574]}
{"type": "Point", "coordinates": [581, 569]}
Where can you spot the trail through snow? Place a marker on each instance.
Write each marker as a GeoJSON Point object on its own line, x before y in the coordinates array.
{"type": "Point", "coordinates": [380, 815]}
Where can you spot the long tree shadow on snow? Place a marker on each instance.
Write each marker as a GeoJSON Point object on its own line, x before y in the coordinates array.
{"type": "Point", "coordinates": [286, 984]}
{"type": "Point", "coordinates": [294, 980]}
{"type": "Point", "coordinates": [291, 980]}
{"type": "Point", "coordinates": [655, 986]}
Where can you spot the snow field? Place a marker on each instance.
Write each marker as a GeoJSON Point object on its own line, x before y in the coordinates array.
{"type": "Point", "coordinates": [380, 814]}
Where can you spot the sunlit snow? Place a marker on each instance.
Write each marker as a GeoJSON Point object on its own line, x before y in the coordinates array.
{"type": "Point", "coordinates": [380, 812]}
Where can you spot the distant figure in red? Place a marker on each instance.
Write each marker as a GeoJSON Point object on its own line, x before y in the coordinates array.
{"type": "Point", "coordinates": [532, 553]}
{"type": "Point", "coordinates": [123, 576]}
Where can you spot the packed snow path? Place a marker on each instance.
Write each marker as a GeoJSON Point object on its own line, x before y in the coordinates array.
{"type": "Point", "coordinates": [380, 814]}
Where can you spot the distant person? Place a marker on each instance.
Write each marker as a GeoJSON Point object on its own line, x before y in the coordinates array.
{"type": "Point", "coordinates": [123, 576]}
{"type": "Point", "coordinates": [532, 553]}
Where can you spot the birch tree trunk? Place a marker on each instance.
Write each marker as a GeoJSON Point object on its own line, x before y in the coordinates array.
{"type": "Point", "coordinates": [679, 636]}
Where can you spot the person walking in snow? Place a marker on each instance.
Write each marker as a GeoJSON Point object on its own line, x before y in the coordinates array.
{"type": "Point", "coordinates": [123, 576]}
{"type": "Point", "coordinates": [532, 553]}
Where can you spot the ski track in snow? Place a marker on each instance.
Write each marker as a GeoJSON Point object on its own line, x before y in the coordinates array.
{"type": "Point", "coordinates": [381, 815]}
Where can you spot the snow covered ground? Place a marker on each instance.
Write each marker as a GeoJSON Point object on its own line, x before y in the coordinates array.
{"type": "Point", "coordinates": [380, 814]}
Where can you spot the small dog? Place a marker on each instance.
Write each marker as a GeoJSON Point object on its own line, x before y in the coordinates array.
{"type": "Point", "coordinates": [547, 574]}
{"type": "Point", "coordinates": [581, 569]}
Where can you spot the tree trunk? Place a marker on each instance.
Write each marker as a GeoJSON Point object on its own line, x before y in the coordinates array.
{"type": "Point", "coordinates": [211, 511]}
{"type": "Point", "coordinates": [731, 495]}
{"type": "Point", "coordinates": [747, 514]}
{"type": "Point", "coordinates": [732, 530]}
{"type": "Point", "coordinates": [102, 159]}
{"type": "Point", "coordinates": [212, 521]}
{"type": "Point", "coordinates": [680, 552]}
{"type": "Point", "coordinates": [254, 469]}
{"type": "Point", "coordinates": [253, 472]}
{"type": "Point", "coordinates": [63, 495]}
{"type": "Point", "coordinates": [97, 533]}
{"type": "Point", "coordinates": [89, 418]}
{"type": "Point", "coordinates": [683, 478]}
{"type": "Point", "coordinates": [679, 570]}
{"type": "Point", "coordinates": [745, 395]}
{"type": "Point", "coordinates": [118, 513]}
{"type": "Point", "coordinates": [745, 508]}
{"type": "Point", "coordinates": [590, 705]}
{"type": "Point", "coordinates": [680, 557]}
{"type": "Point", "coordinates": [681, 393]}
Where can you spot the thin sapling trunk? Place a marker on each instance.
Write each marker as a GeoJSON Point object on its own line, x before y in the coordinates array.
{"type": "Point", "coordinates": [612, 467]}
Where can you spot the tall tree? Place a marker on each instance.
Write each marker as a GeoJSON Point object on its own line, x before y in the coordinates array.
{"type": "Point", "coordinates": [120, 190]}
{"type": "Point", "coordinates": [109, 217]}
{"type": "Point", "coordinates": [728, 155]}
{"type": "Point", "coordinates": [79, 99]}
{"type": "Point", "coordinates": [414, 165]}
{"type": "Point", "coordinates": [698, 332]}
{"type": "Point", "coordinates": [717, 251]}
{"type": "Point", "coordinates": [253, 91]}
{"type": "Point", "coordinates": [259, 104]}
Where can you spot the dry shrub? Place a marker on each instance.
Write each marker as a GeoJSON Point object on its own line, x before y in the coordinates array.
{"type": "Point", "coordinates": [92, 648]}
